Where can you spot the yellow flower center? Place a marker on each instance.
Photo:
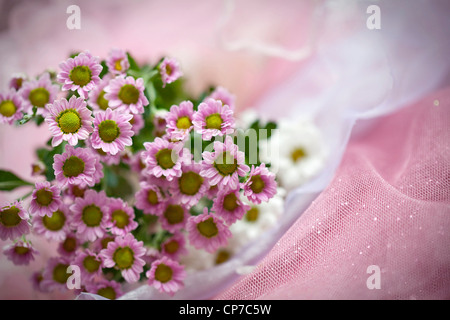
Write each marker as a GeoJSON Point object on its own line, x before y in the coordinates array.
{"type": "Point", "coordinates": [208, 228]}
{"type": "Point", "coordinates": [171, 246]}
{"type": "Point", "coordinates": [190, 182]}
{"type": "Point", "coordinates": [21, 250]}
{"type": "Point", "coordinates": [252, 214]}
{"type": "Point", "coordinates": [174, 214]}
{"type": "Point", "coordinates": [129, 94]}
{"type": "Point", "coordinates": [92, 215]}
{"type": "Point", "coordinates": [70, 244]}
{"type": "Point", "coordinates": [81, 75]}
{"type": "Point", "coordinates": [107, 292]}
{"type": "Point", "coordinates": [7, 108]}
{"type": "Point", "coordinates": [163, 273]}
{"type": "Point", "coordinates": [258, 184]}
{"type": "Point", "coordinates": [108, 130]}
{"type": "Point", "coordinates": [226, 164]}
{"type": "Point", "coordinates": [117, 65]}
{"type": "Point", "coordinates": [101, 101]}
{"type": "Point", "coordinates": [124, 257]}
{"type": "Point", "coordinates": [164, 158]}
{"type": "Point", "coordinates": [121, 218]}
{"type": "Point", "coordinates": [184, 123]}
{"type": "Point", "coordinates": [73, 167]}
{"type": "Point", "coordinates": [10, 217]}
{"type": "Point", "coordinates": [39, 97]}
{"type": "Point", "coordinates": [214, 121]}
{"type": "Point", "coordinates": [69, 121]}
{"type": "Point", "coordinates": [152, 197]}
{"type": "Point", "coordinates": [298, 154]}
{"type": "Point", "coordinates": [91, 264]}
{"type": "Point", "coordinates": [44, 197]}
{"type": "Point", "coordinates": [55, 222]}
{"type": "Point", "coordinates": [60, 274]}
{"type": "Point", "coordinates": [230, 202]}
{"type": "Point", "coordinates": [105, 242]}
{"type": "Point", "coordinates": [222, 256]}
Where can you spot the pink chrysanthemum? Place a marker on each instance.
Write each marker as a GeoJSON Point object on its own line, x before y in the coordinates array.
{"type": "Point", "coordinates": [117, 61]}
{"type": "Point", "coordinates": [121, 216]}
{"type": "Point", "coordinates": [108, 289]}
{"type": "Point", "coordinates": [55, 274]}
{"type": "Point", "coordinates": [125, 253]}
{"type": "Point", "coordinates": [174, 216]}
{"type": "Point", "coordinates": [38, 93]}
{"type": "Point", "coordinates": [91, 215]}
{"type": "Point", "coordinates": [179, 120]}
{"type": "Point", "coordinates": [137, 123]}
{"type": "Point", "coordinates": [103, 156]}
{"type": "Point", "coordinates": [224, 96]}
{"type": "Point", "coordinates": [224, 166]}
{"type": "Point", "coordinates": [69, 246]}
{"type": "Point", "coordinates": [20, 253]}
{"type": "Point", "coordinates": [69, 121]}
{"type": "Point", "coordinates": [150, 199]}
{"type": "Point", "coordinates": [112, 131]}
{"type": "Point", "coordinates": [36, 281]}
{"type": "Point", "coordinates": [163, 158]}
{"type": "Point", "coordinates": [126, 94]}
{"type": "Point", "coordinates": [75, 166]}
{"type": "Point", "coordinates": [13, 221]}
{"type": "Point", "coordinates": [207, 231]}
{"type": "Point", "coordinates": [74, 191]}
{"type": "Point", "coordinates": [11, 107]}
{"type": "Point", "coordinates": [80, 74]}
{"type": "Point", "coordinates": [166, 275]}
{"type": "Point", "coordinates": [97, 95]}
{"type": "Point", "coordinates": [260, 185]}
{"type": "Point", "coordinates": [45, 199]}
{"type": "Point", "coordinates": [169, 70]}
{"type": "Point", "coordinates": [229, 206]}
{"type": "Point", "coordinates": [102, 243]}
{"type": "Point", "coordinates": [55, 226]}
{"type": "Point", "coordinates": [151, 255]}
{"type": "Point", "coordinates": [212, 119]}
{"type": "Point", "coordinates": [190, 187]}
{"type": "Point", "coordinates": [159, 122]}
{"type": "Point", "coordinates": [17, 81]}
{"type": "Point", "coordinates": [175, 246]}
{"type": "Point", "coordinates": [90, 265]}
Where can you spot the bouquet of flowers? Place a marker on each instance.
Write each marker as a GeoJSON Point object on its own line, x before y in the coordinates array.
{"type": "Point", "coordinates": [144, 184]}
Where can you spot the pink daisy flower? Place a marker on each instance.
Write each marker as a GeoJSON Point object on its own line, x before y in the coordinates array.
{"type": "Point", "coordinates": [207, 232]}
{"type": "Point", "coordinates": [80, 74]}
{"type": "Point", "coordinates": [225, 165]}
{"type": "Point", "coordinates": [125, 253]}
{"type": "Point", "coordinates": [174, 216]}
{"type": "Point", "coordinates": [212, 192]}
{"type": "Point", "coordinates": [224, 96]}
{"type": "Point", "coordinates": [75, 166]}
{"type": "Point", "coordinates": [37, 93]}
{"type": "Point", "coordinates": [175, 246]}
{"type": "Point", "coordinates": [103, 156]}
{"type": "Point", "coordinates": [91, 215]}
{"type": "Point", "coordinates": [260, 185]}
{"type": "Point", "coordinates": [90, 265]}
{"type": "Point", "coordinates": [45, 199]}
{"type": "Point", "coordinates": [163, 158]}
{"type": "Point", "coordinates": [69, 121]}
{"type": "Point", "coordinates": [55, 226]}
{"type": "Point", "coordinates": [100, 244]}
{"type": "Point", "coordinates": [190, 187]}
{"type": "Point", "coordinates": [36, 281]}
{"type": "Point", "coordinates": [159, 122]}
{"type": "Point", "coordinates": [169, 70]}
{"type": "Point", "coordinates": [229, 206]}
{"type": "Point", "coordinates": [179, 120]}
{"type": "Point", "coordinates": [137, 123]}
{"type": "Point", "coordinates": [126, 94]}
{"type": "Point", "coordinates": [69, 246]}
{"type": "Point", "coordinates": [74, 191]}
{"type": "Point", "coordinates": [112, 131]}
{"type": "Point", "coordinates": [121, 217]}
{"type": "Point", "coordinates": [117, 61]}
{"type": "Point", "coordinates": [17, 81]}
{"type": "Point", "coordinates": [55, 274]}
{"type": "Point", "coordinates": [20, 253]}
{"type": "Point", "coordinates": [13, 221]}
{"type": "Point", "coordinates": [108, 289]}
{"type": "Point", "coordinates": [150, 199]}
{"type": "Point", "coordinates": [166, 275]}
{"type": "Point", "coordinates": [212, 119]}
{"type": "Point", "coordinates": [37, 168]}
{"type": "Point", "coordinates": [151, 255]}
{"type": "Point", "coordinates": [11, 107]}
{"type": "Point", "coordinates": [97, 95]}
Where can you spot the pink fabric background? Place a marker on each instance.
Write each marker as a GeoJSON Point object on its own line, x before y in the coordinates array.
{"type": "Point", "coordinates": [397, 173]}
{"type": "Point", "coordinates": [388, 205]}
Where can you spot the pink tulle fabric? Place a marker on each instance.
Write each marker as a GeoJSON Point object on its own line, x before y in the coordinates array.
{"type": "Point", "coordinates": [388, 205]}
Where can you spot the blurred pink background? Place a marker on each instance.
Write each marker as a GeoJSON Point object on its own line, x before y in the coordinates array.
{"type": "Point", "coordinates": [243, 46]}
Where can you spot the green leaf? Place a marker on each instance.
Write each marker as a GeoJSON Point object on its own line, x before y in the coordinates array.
{"type": "Point", "coordinates": [9, 181]}
{"type": "Point", "coordinates": [133, 64]}
{"type": "Point", "coordinates": [104, 70]}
